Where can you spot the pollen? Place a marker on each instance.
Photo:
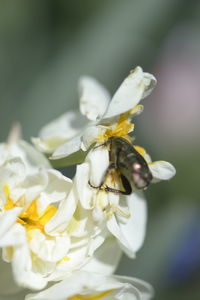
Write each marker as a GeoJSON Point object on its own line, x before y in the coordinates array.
{"type": "Point", "coordinates": [62, 260]}
{"type": "Point", "coordinates": [9, 203]}
{"type": "Point", "coordinates": [121, 129]}
{"type": "Point", "coordinates": [90, 297]}
{"type": "Point", "coordinates": [29, 217]}
{"type": "Point", "coordinates": [140, 150]}
{"type": "Point", "coordinates": [32, 220]}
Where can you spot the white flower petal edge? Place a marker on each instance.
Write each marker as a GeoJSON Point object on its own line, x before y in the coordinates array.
{"type": "Point", "coordinates": [59, 131]}
{"type": "Point", "coordinates": [161, 170]}
{"type": "Point", "coordinates": [7, 234]}
{"type": "Point", "coordinates": [94, 98]}
{"type": "Point", "coordinates": [135, 87]}
{"type": "Point", "coordinates": [106, 259]}
{"type": "Point", "coordinates": [22, 268]}
{"type": "Point", "coordinates": [81, 141]}
{"type": "Point", "coordinates": [99, 162]}
{"type": "Point", "coordinates": [67, 148]}
{"type": "Point", "coordinates": [96, 285]}
{"type": "Point", "coordinates": [32, 158]}
{"type": "Point", "coordinates": [15, 147]}
{"type": "Point", "coordinates": [134, 229]}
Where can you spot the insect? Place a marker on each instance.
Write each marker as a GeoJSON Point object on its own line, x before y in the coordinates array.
{"type": "Point", "coordinates": [133, 169]}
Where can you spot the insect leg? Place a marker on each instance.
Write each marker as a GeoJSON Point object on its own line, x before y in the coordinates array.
{"type": "Point", "coordinates": [103, 144]}
{"type": "Point", "coordinates": [110, 167]}
{"type": "Point", "coordinates": [126, 185]}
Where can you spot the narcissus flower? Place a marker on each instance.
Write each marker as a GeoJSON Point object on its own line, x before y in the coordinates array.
{"type": "Point", "coordinates": [92, 286]}
{"type": "Point", "coordinates": [27, 203]}
{"type": "Point", "coordinates": [44, 232]}
{"type": "Point", "coordinates": [124, 215]}
{"type": "Point", "coordinates": [103, 117]}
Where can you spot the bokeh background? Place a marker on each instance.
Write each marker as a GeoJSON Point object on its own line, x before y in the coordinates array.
{"type": "Point", "coordinates": [46, 45]}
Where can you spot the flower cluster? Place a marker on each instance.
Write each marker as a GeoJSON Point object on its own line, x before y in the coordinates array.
{"type": "Point", "coordinates": [54, 229]}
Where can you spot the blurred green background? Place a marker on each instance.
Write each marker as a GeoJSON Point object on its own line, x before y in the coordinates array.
{"type": "Point", "coordinates": [46, 45]}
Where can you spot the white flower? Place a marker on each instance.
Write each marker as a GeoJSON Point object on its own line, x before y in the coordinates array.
{"type": "Point", "coordinates": [44, 231]}
{"type": "Point", "coordinates": [105, 118]}
{"type": "Point", "coordinates": [124, 216]}
{"type": "Point", "coordinates": [27, 203]}
{"type": "Point", "coordinates": [91, 286]}
{"type": "Point", "coordinates": [16, 147]}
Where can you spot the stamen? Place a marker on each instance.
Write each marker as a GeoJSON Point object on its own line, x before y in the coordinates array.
{"type": "Point", "coordinates": [90, 297]}
{"type": "Point", "coordinates": [122, 128]}
{"type": "Point", "coordinates": [29, 217]}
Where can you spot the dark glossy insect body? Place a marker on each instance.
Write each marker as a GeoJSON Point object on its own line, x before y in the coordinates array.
{"type": "Point", "coordinates": [131, 164]}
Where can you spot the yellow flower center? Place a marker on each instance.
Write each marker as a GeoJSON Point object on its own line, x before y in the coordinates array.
{"type": "Point", "coordinates": [29, 217]}
{"type": "Point", "coordinates": [90, 297]}
{"type": "Point", "coordinates": [121, 129]}
{"type": "Point", "coordinates": [140, 150]}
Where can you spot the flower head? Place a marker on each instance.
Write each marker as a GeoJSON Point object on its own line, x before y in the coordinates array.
{"type": "Point", "coordinates": [27, 204]}
{"type": "Point", "coordinates": [53, 228]}
{"type": "Point", "coordinates": [124, 216]}
{"type": "Point", "coordinates": [93, 286]}
{"type": "Point", "coordinates": [104, 117]}
{"type": "Point", "coordinates": [44, 232]}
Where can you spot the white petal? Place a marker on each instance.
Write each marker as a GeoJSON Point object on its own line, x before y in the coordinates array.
{"type": "Point", "coordinates": [114, 228]}
{"type": "Point", "coordinates": [76, 284]}
{"type": "Point", "coordinates": [56, 190]}
{"type": "Point", "coordinates": [103, 260]}
{"type": "Point", "coordinates": [57, 132]}
{"type": "Point", "coordinates": [13, 171]}
{"type": "Point", "coordinates": [84, 191]}
{"type": "Point", "coordinates": [130, 234]}
{"type": "Point", "coordinates": [48, 249]}
{"type": "Point", "coordinates": [22, 265]}
{"type": "Point", "coordinates": [135, 228]}
{"type": "Point", "coordinates": [90, 135]}
{"type": "Point", "coordinates": [60, 220]}
{"type": "Point", "coordinates": [7, 221]}
{"type": "Point", "coordinates": [94, 98]}
{"type": "Point", "coordinates": [135, 87]}
{"type": "Point", "coordinates": [49, 145]}
{"type": "Point", "coordinates": [71, 146]}
{"type": "Point", "coordinates": [162, 170]}
{"type": "Point", "coordinates": [81, 225]}
{"type": "Point", "coordinates": [146, 290]}
{"type": "Point", "coordinates": [27, 153]}
{"type": "Point", "coordinates": [33, 157]}
{"type": "Point", "coordinates": [13, 237]}
{"type": "Point", "coordinates": [87, 284]}
{"type": "Point", "coordinates": [99, 162]}
{"type": "Point", "coordinates": [65, 127]}
{"type": "Point", "coordinates": [78, 256]}
{"type": "Point", "coordinates": [31, 187]}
